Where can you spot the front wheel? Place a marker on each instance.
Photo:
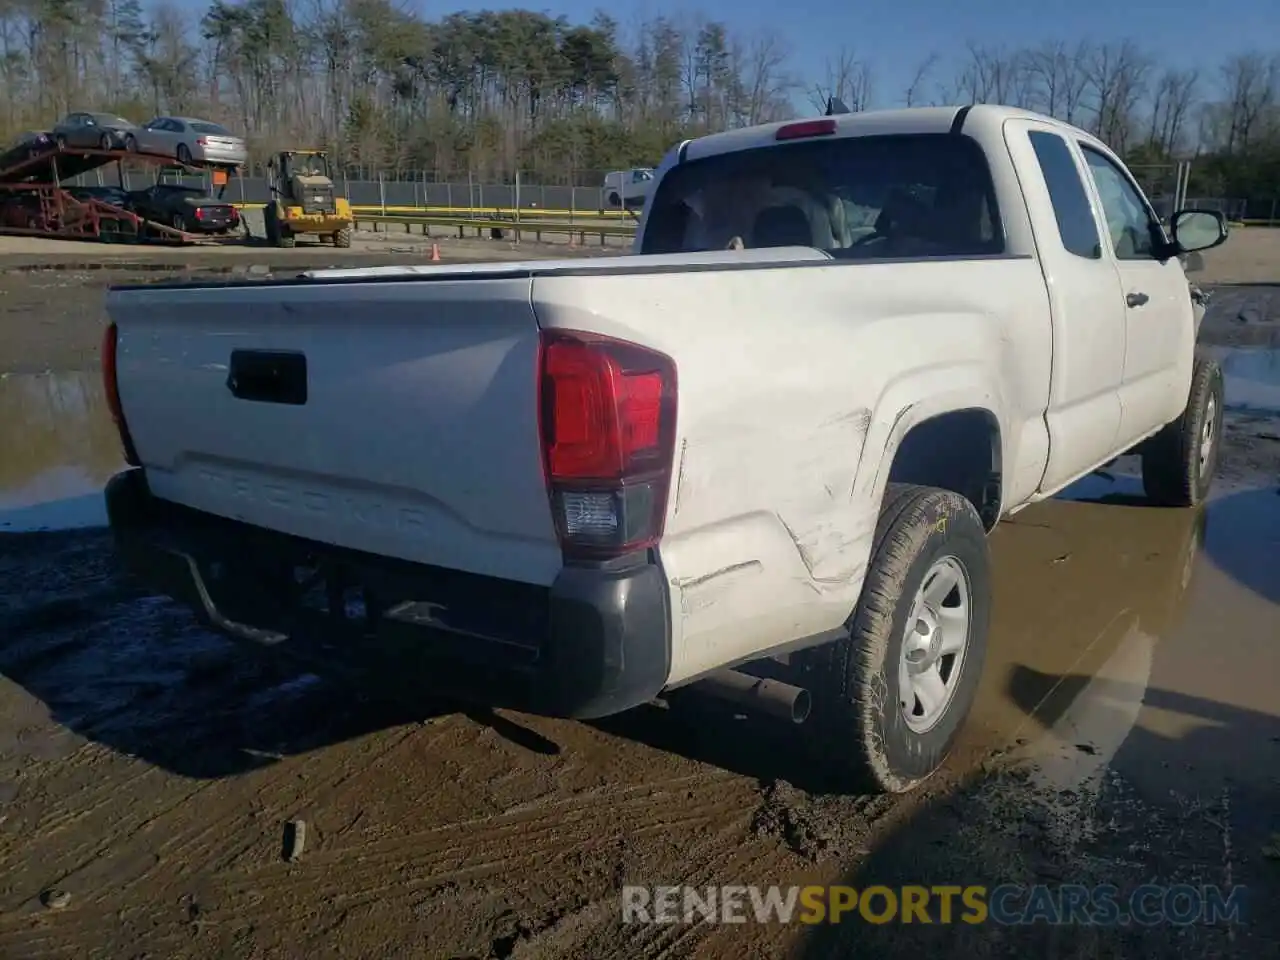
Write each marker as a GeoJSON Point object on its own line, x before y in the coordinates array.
{"type": "Point", "coordinates": [890, 700]}
{"type": "Point", "coordinates": [342, 238]}
{"type": "Point", "coordinates": [1179, 462]}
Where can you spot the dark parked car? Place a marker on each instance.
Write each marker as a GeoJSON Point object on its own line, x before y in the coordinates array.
{"type": "Point", "coordinates": [188, 209]}
{"type": "Point", "coordinates": [30, 144]}
{"type": "Point", "coordinates": [115, 196]}
{"type": "Point", "coordinates": [93, 131]}
{"type": "Point", "coordinates": [23, 210]}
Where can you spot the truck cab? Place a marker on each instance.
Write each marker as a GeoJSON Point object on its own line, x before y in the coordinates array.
{"type": "Point", "coordinates": [757, 459]}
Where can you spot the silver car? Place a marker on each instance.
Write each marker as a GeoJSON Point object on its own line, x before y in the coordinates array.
{"type": "Point", "coordinates": [189, 140]}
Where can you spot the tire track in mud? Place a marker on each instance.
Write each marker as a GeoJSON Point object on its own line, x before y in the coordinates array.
{"type": "Point", "coordinates": [463, 853]}
{"type": "Point", "coordinates": [724, 857]}
{"type": "Point", "coordinates": [481, 847]}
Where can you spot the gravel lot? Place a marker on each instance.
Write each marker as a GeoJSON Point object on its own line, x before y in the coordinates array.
{"type": "Point", "coordinates": [1127, 731]}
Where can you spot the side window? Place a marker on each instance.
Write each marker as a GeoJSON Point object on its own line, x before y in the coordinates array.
{"type": "Point", "coordinates": [1129, 222]}
{"type": "Point", "coordinates": [1076, 226]}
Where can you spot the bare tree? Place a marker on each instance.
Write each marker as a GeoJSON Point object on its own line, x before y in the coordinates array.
{"type": "Point", "coordinates": [1058, 77]}
{"type": "Point", "coordinates": [1117, 79]}
{"type": "Point", "coordinates": [847, 79]}
{"type": "Point", "coordinates": [994, 75]}
{"type": "Point", "coordinates": [1252, 88]}
{"type": "Point", "coordinates": [1171, 101]}
{"type": "Point", "coordinates": [916, 86]}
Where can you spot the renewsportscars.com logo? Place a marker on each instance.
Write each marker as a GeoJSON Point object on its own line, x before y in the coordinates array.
{"type": "Point", "coordinates": [1008, 904]}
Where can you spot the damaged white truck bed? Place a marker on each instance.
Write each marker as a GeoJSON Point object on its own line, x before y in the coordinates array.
{"type": "Point", "coordinates": [759, 456]}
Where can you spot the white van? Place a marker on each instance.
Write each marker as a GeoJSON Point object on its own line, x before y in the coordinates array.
{"type": "Point", "coordinates": [627, 187]}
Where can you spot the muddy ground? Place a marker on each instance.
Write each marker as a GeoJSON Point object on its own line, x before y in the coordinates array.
{"type": "Point", "coordinates": [1126, 733]}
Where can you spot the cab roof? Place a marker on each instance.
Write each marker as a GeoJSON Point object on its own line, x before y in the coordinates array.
{"type": "Point", "coordinates": [907, 120]}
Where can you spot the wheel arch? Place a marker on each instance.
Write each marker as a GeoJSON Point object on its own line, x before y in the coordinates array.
{"type": "Point", "coordinates": [959, 450]}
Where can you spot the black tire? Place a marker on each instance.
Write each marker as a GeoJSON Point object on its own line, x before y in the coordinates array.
{"type": "Point", "coordinates": [60, 141]}
{"type": "Point", "coordinates": [615, 200]}
{"type": "Point", "coordinates": [104, 142]}
{"type": "Point", "coordinates": [178, 222]}
{"type": "Point", "coordinates": [286, 238]}
{"type": "Point", "coordinates": [862, 732]}
{"type": "Point", "coordinates": [271, 224]}
{"type": "Point", "coordinates": [1177, 469]}
{"type": "Point", "coordinates": [184, 153]}
{"type": "Point", "coordinates": [131, 143]}
{"type": "Point", "coordinates": [342, 238]}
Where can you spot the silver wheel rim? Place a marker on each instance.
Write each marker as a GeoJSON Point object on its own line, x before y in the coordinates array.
{"type": "Point", "coordinates": [1208, 432]}
{"type": "Point", "coordinates": [934, 645]}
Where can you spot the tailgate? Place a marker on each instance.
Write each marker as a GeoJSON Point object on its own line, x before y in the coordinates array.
{"type": "Point", "coordinates": [398, 418]}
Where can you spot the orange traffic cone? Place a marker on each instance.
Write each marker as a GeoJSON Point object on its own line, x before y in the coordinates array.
{"type": "Point", "coordinates": [435, 253]}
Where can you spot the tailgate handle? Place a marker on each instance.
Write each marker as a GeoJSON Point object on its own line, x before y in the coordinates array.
{"type": "Point", "coordinates": [268, 376]}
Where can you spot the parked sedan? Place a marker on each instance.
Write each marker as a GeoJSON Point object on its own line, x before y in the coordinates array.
{"type": "Point", "coordinates": [201, 141]}
{"type": "Point", "coordinates": [188, 209]}
{"type": "Point", "coordinates": [93, 131]}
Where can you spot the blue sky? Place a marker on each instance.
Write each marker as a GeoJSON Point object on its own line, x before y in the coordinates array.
{"type": "Point", "coordinates": [895, 36]}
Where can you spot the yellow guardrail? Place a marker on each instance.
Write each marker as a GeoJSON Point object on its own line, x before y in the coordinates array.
{"type": "Point", "coordinates": [498, 227]}
{"type": "Point", "coordinates": [500, 213]}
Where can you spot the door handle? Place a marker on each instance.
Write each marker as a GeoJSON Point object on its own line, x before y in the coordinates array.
{"type": "Point", "coordinates": [1136, 299]}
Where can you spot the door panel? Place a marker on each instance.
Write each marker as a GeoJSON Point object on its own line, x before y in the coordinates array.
{"type": "Point", "coordinates": [1159, 319]}
{"type": "Point", "coordinates": [1083, 416]}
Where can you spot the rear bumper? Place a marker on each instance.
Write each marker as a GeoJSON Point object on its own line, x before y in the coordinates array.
{"type": "Point", "coordinates": [595, 643]}
{"type": "Point", "coordinates": [230, 158]}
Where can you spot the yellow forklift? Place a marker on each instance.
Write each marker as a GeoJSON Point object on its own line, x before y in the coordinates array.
{"type": "Point", "coordinates": [303, 200]}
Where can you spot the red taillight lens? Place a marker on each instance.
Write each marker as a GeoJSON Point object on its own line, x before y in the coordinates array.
{"type": "Point", "coordinates": [200, 211]}
{"type": "Point", "coordinates": [111, 388]}
{"type": "Point", "coordinates": [607, 416]}
{"type": "Point", "coordinates": [806, 128]}
{"type": "Point", "coordinates": [201, 142]}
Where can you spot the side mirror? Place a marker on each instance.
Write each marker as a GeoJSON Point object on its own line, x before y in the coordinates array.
{"type": "Point", "coordinates": [1194, 230]}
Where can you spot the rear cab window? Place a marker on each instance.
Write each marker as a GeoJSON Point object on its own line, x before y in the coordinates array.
{"type": "Point", "coordinates": [213, 129]}
{"type": "Point", "coordinates": [1071, 208]}
{"type": "Point", "coordinates": [857, 198]}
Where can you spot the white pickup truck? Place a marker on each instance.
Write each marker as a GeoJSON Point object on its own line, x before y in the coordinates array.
{"type": "Point", "coordinates": [760, 456]}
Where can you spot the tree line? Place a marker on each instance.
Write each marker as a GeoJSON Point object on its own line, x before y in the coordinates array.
{"type": "Point", "coordinates": [489, 93]}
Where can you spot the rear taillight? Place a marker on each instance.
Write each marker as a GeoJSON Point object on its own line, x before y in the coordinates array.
{"type": "Point", "coordinates": [111, 387]}
{"type": "Point", "coordinates": [608, 422]}
{"type": "Point", "coordinates": [201, 142]}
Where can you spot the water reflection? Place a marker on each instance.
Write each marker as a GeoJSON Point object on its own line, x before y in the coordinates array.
{"type": "Point", "coordinates": [59, 449]}
{"type": "Point", "coordinates": [1252, 377]}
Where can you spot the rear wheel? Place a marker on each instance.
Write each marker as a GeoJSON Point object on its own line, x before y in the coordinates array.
{"type": "Point", "coordinates": [61, 141]}
{"type": "Point", "coordinates": [1179, 462]}
{"type": "Point", "coordinates": [178, 222]}
{"type": "Point", "coordinates": [342, 238]}
{"type": "Point", "coordinates": [104, 142]}
{"type": "Point", "coordinates": [285, 238]}
{"type": "Point", "coordinates": [131, 143]}
{"type": "Point", "coordinates": [890, 700]}
{"type": "Point", "coordinates": [184, 153]}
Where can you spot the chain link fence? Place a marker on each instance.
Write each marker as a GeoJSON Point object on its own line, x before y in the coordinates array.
{"type": "Point", "coordinates": [412, 190]}
{"type": "Point", "coordinates": [582, 195]}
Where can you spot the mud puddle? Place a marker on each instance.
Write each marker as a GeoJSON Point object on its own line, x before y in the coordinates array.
{"type": "Point", "coordinates": [60, 447]}
{"type": "Point", "coordinates": [1252, 378]}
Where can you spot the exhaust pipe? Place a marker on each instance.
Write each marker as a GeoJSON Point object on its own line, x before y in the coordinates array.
{"type": "Point", "coordinates": [773, 697]}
